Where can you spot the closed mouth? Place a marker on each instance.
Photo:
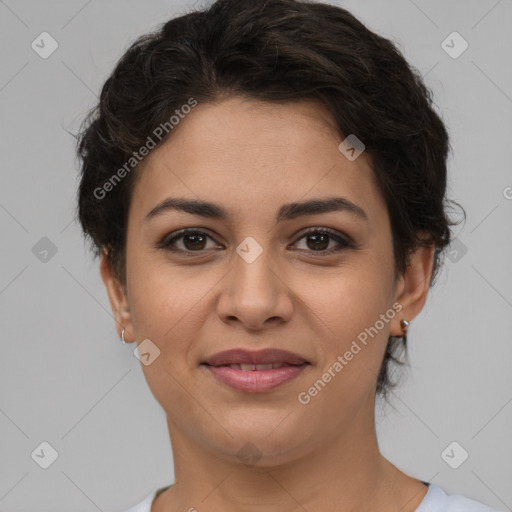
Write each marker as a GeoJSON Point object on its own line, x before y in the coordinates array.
{"type": "Point", "coordinates": [260, 360]}
{"type": "Point", "coordinates": [255, 367]}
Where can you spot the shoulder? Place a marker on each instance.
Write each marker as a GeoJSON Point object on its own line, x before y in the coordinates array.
{"type": "Point", "coordinates": [147, 502]}
{"type": "Point", "coordinates": [144, 505]}
{"type": "Point", "coordinates": [436, 500]}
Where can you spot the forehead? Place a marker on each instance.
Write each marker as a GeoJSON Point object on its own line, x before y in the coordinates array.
{"type": "Point", "coordinates": [247, 153]}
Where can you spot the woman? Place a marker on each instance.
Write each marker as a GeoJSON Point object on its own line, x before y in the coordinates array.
{"type": "Point", "coordinates": [265, 184]}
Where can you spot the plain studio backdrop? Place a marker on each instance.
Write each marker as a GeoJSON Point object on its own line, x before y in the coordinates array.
{"type": "Point", "coordinates": [66, 380]}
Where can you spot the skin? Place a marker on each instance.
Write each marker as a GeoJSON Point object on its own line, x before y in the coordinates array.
{"type": "Point", "coordinates": [252, 157]}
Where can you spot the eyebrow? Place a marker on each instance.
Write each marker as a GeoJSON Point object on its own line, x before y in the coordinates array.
{"type": "Point", "coordinates": [286, 212]}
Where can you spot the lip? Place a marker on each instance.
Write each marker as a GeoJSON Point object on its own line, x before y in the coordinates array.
{"type": "Point", "coordinates": [264, 356]}
{"type": "Point", "coordinates": [255, 381]}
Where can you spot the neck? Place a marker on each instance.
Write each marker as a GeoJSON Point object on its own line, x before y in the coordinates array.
{"type": "Point", "coordinates": [346, 470]}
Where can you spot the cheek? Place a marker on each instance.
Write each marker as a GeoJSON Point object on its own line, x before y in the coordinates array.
{"type": "Point", "coordinates": [353, 311]}
{"type": "Point", "coordinates": [167, 307]}
{"type": "Point", "coordinates": [168, 302]}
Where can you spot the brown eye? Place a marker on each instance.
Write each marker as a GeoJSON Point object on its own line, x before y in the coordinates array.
{"type": "Point", "coordinates": [194, 241]}
{"type": "Point", "coordinates": [191, 240]}
{"type": "Point", "coordinates": [318, 240]}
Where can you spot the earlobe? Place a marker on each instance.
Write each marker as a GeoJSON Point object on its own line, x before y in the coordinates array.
{"type": "Point", "coordinates": [117, 298]}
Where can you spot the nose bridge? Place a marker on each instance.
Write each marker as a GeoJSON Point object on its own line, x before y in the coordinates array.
{"type": "Point", "coordinates": [253, 279]}
{"type": "Point", "coordinates": [255, 292]}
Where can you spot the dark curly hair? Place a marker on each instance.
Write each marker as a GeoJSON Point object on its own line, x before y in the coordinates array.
{"type": "Point", "coordinates": [275, 51]}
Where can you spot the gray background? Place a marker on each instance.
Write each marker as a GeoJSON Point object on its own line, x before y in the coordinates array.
{"type": "Point", "coordinates": [66, 379]}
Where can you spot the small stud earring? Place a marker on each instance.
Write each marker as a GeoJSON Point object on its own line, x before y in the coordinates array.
{"type": "Point", "coordinates": [122, 337]}
{"type": "Point", "coordinates": [404, 324]}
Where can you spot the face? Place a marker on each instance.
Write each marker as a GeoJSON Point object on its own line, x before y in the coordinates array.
{"type": "Point", "coordinates": [267, 273]}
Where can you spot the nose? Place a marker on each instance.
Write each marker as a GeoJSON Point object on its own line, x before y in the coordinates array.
{"type": "Point", "coordinates": [255, 294]}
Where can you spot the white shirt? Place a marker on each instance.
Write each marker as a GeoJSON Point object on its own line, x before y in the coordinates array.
{"type": "Point", "coordinates": [436, 500]}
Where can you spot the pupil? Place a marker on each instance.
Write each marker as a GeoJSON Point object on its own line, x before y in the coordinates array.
{"type": "Point", "coordinates": [196, 236]}
{"type": "Point", "coordinates": [325, 243]}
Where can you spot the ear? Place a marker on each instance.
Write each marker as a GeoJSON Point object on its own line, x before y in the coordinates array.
{"type": "Point", "coordinates": [117, 298]}
{"type": "Point", "coordinates": [412, 287]}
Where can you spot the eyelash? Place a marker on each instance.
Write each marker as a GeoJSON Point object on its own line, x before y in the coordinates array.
{"type": "Point", "coordinates": [167, 244]}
